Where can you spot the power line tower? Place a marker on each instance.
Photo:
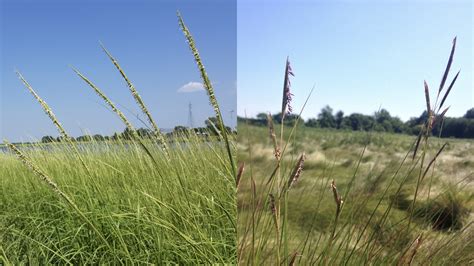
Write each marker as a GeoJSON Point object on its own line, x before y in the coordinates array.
{"type": "Point", "coordinates": [190, 116]}
{"type": "Point", "coordinates": [231, 115]}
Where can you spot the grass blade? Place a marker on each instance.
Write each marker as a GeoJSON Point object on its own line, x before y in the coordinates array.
{"type": "Point", "coordinates": [433, 160]}
{"type": "Point", "coordinates": [53, 186]}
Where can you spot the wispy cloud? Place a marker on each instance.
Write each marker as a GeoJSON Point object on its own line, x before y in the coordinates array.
{"type": "Point", "coordinates": [191, 87]}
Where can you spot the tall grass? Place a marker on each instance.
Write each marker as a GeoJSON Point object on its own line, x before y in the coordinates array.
{"type": "Point", "coordinates": [360, 198]}
{"type": "Point", "coordinates": [119, 201]}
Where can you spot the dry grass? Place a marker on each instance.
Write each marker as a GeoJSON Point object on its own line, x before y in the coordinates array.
{"type": "Point", "coordinates": [393, 195]}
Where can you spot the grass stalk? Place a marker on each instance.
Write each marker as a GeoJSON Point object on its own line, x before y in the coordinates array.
{"type": "Point", "coordinates": [209, 89]}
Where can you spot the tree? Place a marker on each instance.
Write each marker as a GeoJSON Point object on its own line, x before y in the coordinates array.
{"type": "Point", "coordinates": [339, 118]}
{"type": "Point", "coordinates": [461, 127]}
{"type": "Point", "coordinates": [201, 131]}
{"type": "Point", "coordinates": [116, 136]}
{"type": "Point", "coordinates": [382, 116]}
{"type": "Point", "coordinates": [98, 137]}
{"type": "Point", "coordinates": [469, 114]}
{"type": "Point", "coordinates": [312, 122]}
{"type": "Point", "coordinates": [415, 124]}
{"type": "Point", "coordinates": [262, 116]}
{"type": "Point", "coordinates": [144, 132]}
{"type": "Point", "coordinates": [469, 129]}
{"type": "Point", "coordinates": [61, 139]}
{"type": "Point", "coordinates": [326, 118]}
{"type": "Point", "coordinates": [180, 129]}
{"type": "Point", "coordinates": [290, 119]}
{"type": "Point", "coordinates": [398, 126]}
{"type": "Point", "coordinates": [47, 139]}
{"type": "Point", "coordinates": [458, 128]}
{"type": "Point", "coordinates": [212, 122]}
{"type": "Point", "coordinates": [360, 122]}
{"type": "Point", "coordinates": [453, 127]}
{"type": "Point", "coordinates": [84, 138]}
{"type": "Point", "coordinates": [422, 118]}
{"type": "Point", "coordinates": [127, 134]}
{"type": "Point", "coordinates": [383, 121]}
{"type": "Point", "coordinates": [213, 126]}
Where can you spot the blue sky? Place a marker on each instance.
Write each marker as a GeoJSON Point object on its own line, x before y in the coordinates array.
{"type": "Point", "coordinates": [42, 38]}
{"type": "Point", "coordinates": [361, 55]}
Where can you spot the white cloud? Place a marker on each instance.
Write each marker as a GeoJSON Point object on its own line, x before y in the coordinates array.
{"type": "Point", "coordinates": [191, 87]}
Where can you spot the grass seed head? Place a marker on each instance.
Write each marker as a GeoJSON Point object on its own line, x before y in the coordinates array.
{"type": "Point", "coordinates": [138, 99]}
{"type": "Point", "coordinates": [206, 82]}
{"type": "Point", "coordinates": [107, 100]}
{"type": "Point", "coordinates": [449, 89]}
{"type": "Point", "coordinates": [448, 66]}
{"type": "Point", "coordinates": [274, 211]}
{"type": "Point", "coordinates": [239, 174]}
{"type": "Point", "coordinates": [46, 108]}
{"type": "Point", "coordinates": [293, 258]}
{"type": "Point", "coordinates": [407, 258]}
{"type": "Point", "coordinates": [427, 96]}
{"type": "Point", "coordinates": [337, 197]}
{"type": "Point", "coordinates": [208, 86]}
{"type": "Point", "coordinates": [297, 171]}
{"type": "Point", "coordinates": [276, 148]}
{"type": "Point", "coordinates": [286, 107]}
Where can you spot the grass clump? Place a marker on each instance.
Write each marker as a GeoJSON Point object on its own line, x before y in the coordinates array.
{"type": "Point", "coordinates": [447, 212]}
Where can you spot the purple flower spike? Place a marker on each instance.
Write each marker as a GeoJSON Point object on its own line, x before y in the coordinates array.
{"type": "Point", "coordinates": [287, 95]}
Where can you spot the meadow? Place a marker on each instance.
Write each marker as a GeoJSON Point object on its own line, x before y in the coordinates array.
{"type": "Point", "coordinates": [312, 196]}
{"type": "Point", "coordinates": [137, 201]}
{"type": "Point", "coordinates": [377, 183]}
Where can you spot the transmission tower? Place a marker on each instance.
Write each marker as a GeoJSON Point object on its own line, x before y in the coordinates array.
{"type": "Point", "coordinates": [231, 115]}
{"type": "Point", "coordinates": [190, 116]}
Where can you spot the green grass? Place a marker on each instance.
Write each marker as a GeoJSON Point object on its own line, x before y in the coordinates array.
{"type": "Point", "coordinates": [373, 224]}
{"type": "Point", "coordinates": [140, 201]}
{"type": "Point", "coordinates": [181, 212]}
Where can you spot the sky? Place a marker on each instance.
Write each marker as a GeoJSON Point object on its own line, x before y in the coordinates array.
{"type": "Point", "coordinates": [42, 39]}
{"type": "Point", "coordinates": [359, 55]}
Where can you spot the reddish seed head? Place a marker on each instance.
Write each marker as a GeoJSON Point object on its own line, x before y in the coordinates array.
{"type": "Point", "coordinates": [297, 170]}
{"type": "Point", "coordinates": [287, 95]}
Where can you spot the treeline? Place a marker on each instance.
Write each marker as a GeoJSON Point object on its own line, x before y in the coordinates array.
{"type": "Point", "coordinates": [380, 121]}
{"type": "Point", "coordinates": [209, 130]}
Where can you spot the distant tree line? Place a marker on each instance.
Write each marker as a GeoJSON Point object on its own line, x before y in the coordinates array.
{"type": "Point", "coordinates": [211, 129]}
{"type": "Point", "coordinates": [380, 121]}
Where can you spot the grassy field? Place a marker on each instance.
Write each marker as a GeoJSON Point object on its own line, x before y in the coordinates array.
{"type": "Point", "coordinates": [377, 186]}
{"type": "Point", "coordinates": [138, 201]}
{"type": "Point", "coordinates": [180, 211]}
{"type": "Point", "coordinates": [325, 197]}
